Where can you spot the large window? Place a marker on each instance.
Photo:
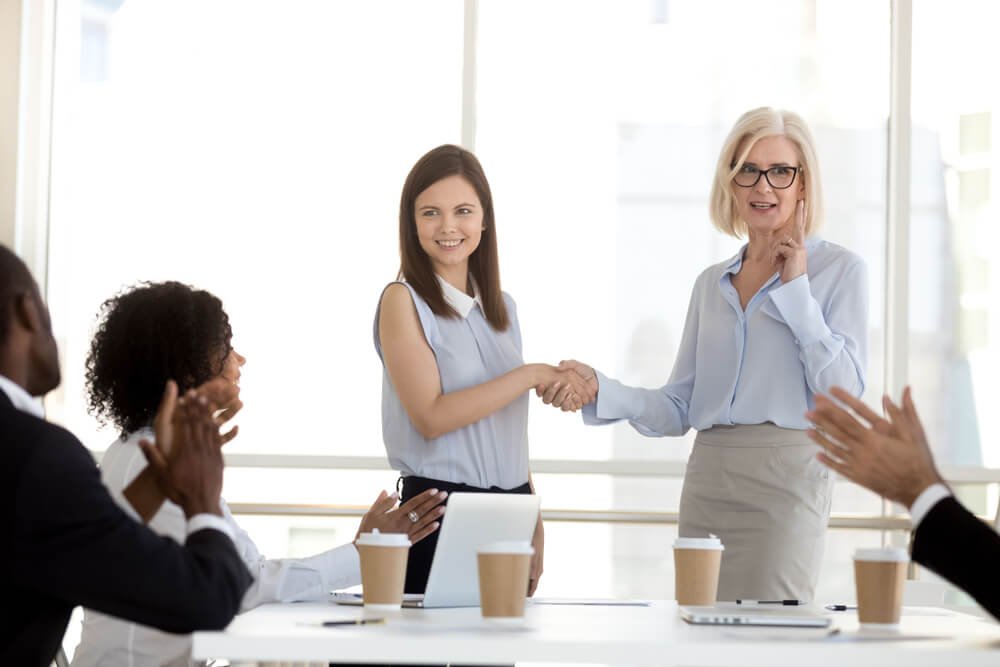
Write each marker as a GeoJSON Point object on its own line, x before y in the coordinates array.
{"type": "Point", "coordinates": [257, 149]}
{"type": "Point", "coordinates": [601, 131]}
{"type": "Point", "coordinates": [954, 275]}
{"type": "Point", "coordinates": [254, 149]}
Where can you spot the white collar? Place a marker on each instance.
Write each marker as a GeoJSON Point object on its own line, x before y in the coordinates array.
{"type": "Point", "coordinates": [21, 399]}
{"type": "Point", "coordinates": [459, 300]}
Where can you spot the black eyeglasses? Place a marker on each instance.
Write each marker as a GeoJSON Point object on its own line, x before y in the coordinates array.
{"type": "Point", "coordinates": [779, 177]}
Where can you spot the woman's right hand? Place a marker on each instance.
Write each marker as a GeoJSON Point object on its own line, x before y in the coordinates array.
{"type": "Point", "coordinates": [418, 517]}
{"type": "Point", "coordinates": [568, 387]}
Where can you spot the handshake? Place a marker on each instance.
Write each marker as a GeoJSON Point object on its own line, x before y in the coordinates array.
{"type": "Point", "coordinates": [568, 386]}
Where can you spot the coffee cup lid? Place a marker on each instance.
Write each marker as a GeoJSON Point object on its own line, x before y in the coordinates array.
{"type": "Point", "coordinates": [710, 542]}
{"type": "Point", "coordinates": [506, 547]}
{"type": "Point", "coordinates": [377, 539]}
{"type": "Point", "coordinates": [893, 555]}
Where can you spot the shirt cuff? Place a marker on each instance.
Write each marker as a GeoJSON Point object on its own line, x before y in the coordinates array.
{"type": "Point", "coordinates": [213, 521]}
{"type": "Point", "coordinates": [613, 402]}
{"type": "Point", "coordinates": [800, 311]}
{"type": "Point", "coordinates": [926, 501]}
{"type": "Point", "coordinates": [589, 412]}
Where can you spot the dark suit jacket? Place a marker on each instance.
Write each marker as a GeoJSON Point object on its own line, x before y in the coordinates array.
{"type": "Point", "coordinates": [65, 543]}
{"type": "Point", "coordinates": [958, 546]}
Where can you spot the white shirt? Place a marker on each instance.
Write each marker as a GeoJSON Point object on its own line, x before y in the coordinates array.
{"type": "Point", "coordinates": [459, 300]}
{"type": "Point", "coordinates": [20, 399]}
{"type": "Point", "coordinates": [109, 640]}
{"type": "Point", "coordinates": [926, 501]}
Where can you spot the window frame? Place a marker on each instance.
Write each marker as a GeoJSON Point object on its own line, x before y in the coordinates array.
{"type": "Point", "coordinates": [27, 59]}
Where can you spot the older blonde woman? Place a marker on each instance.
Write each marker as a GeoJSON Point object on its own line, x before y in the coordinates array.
{"type": "Point", "coordinates": [767, 329]}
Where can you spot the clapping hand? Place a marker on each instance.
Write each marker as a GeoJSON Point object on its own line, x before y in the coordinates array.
{"type": "Point", "coordinates": [220, 399]}
{"type": "Point", "coordinates": [226, 413]}
{"type": "Point", "coordinates": [574, 385]}
{"type": "Point", "coordinates": [889, 456]}
{"type": "Point", "coordinates": [220, 395]}
{"type": "Point", "coordinates": [186, 459]}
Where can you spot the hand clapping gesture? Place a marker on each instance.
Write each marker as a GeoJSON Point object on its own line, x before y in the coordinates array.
{"type": "Point", "coordinates": [186, 459]}
{"type": "Point", "coordinates": [889, 456]}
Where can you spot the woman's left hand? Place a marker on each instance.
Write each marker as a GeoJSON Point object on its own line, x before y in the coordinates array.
{"type": "Point", "coordinates": [538, 543]}
{"type": "Point", "coordinates": [789, 254]}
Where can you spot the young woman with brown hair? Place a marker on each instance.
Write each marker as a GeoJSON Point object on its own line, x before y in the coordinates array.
{"type": "Point", "coordinates": [455, 386]}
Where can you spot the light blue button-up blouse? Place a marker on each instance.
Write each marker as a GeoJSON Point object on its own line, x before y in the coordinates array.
{"type": "Point", "coordinates": [490, 452]}
{"type": "Point", "coordinates": [762, 365]}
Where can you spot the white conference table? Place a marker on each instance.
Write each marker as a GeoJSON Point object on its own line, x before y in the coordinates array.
{"type": "Point", "coordinates": [635, 635]}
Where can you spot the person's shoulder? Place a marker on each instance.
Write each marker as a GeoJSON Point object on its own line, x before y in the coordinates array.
{"type": "Point", "coordinates": [28, 431]}
{"type": "Point", "coordinates": [130, 442]}
{"type": "Point", "coordinates": [36, 443]}
{"type": "Point", "coordinates": [124, 458]}
{"type": "Point", "coordinates": [508, 300]}
{"type": "Point", "coordinates": [398, 296]}
{"type": "Point", "coordinates": [713, 272]}
{"type": "Point", "coordinates": [401, 305]}
{"type": "Point", "coordinates": [827, 253]}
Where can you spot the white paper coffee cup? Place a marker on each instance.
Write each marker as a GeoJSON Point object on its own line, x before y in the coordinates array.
{"type": "Point", "coordinates": [504, 568]}
{"type": "Point", "coordinates": [383, 568]}
{"type": "Point", "coordinates": [887, 554]}
{"type": "Point", "coordinates": [696, 569]}
{"type": "Point", "coordinates": [507, 547]}
{"type": "Point", "coordinates": [879, 579]}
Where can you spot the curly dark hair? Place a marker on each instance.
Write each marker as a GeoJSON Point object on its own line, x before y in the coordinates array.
{"type": "Point", "coordinates": [146, 335]}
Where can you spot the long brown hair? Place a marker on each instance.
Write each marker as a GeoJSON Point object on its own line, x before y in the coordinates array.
{"type": "Point", "coordinates": [484, 265]}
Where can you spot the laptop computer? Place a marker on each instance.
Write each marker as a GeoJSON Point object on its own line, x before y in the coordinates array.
{"type": "Point", "coordinates": [472, 519]}
{"type": "Point", "coordinates": [754, 616]}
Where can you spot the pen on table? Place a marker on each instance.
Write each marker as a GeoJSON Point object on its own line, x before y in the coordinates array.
{"type": "Point", "coordinates": [786, 603]}
{"type": "Point", "coordinates": [352, 621]}
{"type": "Point", "coordinates": [840, 607]}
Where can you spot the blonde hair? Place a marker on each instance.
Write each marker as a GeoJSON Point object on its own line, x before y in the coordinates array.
{"type": "Point", "coordinates": [751, 127]}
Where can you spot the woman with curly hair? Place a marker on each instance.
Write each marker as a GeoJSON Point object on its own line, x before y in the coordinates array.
{"type": "Point", "coordinates": [161, 331]}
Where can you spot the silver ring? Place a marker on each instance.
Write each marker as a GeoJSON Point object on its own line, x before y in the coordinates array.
{"type": "Point", "coordinates": [413, 516]}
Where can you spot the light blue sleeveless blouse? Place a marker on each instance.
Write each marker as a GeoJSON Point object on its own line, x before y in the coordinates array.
{"type": "Point", "coordinates": [469, 352]}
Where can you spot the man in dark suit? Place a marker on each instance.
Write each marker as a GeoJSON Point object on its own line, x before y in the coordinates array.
{"type": "Point", "coordinates": [892, 458]}
{"type": "Point", "coordinates": [65, 541]}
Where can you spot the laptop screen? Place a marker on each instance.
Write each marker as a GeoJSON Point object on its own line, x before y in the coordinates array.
{"type": "Point", "coordinates": [471, 520]}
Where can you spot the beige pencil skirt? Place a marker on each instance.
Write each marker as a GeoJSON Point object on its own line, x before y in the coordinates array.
{"type": "Point", "coordinates": [760, 489]}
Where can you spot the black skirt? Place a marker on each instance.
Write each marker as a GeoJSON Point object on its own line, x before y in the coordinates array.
{"type": "Point", "coordinates": [418, 567]}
